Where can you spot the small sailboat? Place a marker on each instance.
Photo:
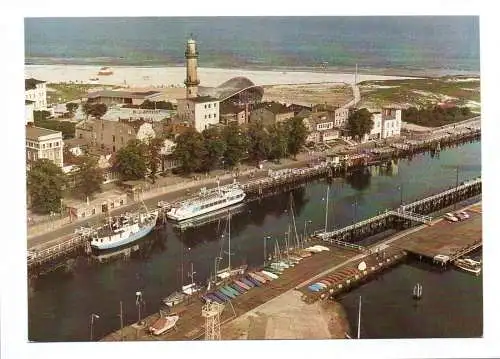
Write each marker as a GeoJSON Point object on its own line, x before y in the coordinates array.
{"type": "Point", "coordinates": [229, 271]}
{"type": "Point", "coordinates": [417, 291]}
{"type": "Point", "coordinates": [191, 288]}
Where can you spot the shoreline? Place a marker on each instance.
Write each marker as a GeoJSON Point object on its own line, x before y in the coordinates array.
{"type": "Point", "coordinates": [366, 69]}
{"type": "Point", "coordinates": [173, 76]}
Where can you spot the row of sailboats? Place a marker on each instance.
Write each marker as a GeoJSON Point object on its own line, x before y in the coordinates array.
{"type": "Point", "coordinates": [280, 261]}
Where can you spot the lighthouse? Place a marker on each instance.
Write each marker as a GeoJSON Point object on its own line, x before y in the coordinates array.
{"type": "Point", "coordinates": [191, 81]}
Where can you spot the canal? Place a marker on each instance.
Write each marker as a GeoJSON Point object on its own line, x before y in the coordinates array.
{"type": "Point", "coordinates": [61, 303]}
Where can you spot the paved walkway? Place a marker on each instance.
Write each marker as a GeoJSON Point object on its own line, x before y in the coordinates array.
{"type": "Point", "coordinates": [172, 192]}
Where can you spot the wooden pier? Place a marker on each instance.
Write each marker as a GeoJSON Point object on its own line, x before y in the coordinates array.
{"type": "Point", "coordinates": [444, 241]}
{"type": "Point", "coordinates": [404, 216]}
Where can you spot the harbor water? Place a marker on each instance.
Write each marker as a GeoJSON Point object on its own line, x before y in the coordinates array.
{"type": "Point", "coordinates": [61, 302]}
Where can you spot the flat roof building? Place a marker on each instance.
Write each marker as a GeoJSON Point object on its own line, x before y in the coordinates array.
{"type": "Point", "coordinates": [43, 143]}
{"type": "Point", "coordinates": [112, 97]}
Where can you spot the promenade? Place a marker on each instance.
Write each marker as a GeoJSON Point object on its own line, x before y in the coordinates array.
{"type": "Point", "coordinates": [174, 188]}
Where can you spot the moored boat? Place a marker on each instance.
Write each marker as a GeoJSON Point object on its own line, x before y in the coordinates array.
{"type": "Point", "coordinates": [105, 71]}
{"type": "Point", "coordinates": [174, 299]}
{"type": "Point", "coordinates": [468, 265]}
{"type": "Point", "coordinates": [124, 229]}
{"type": "Point", "coordinates": [207, 201]}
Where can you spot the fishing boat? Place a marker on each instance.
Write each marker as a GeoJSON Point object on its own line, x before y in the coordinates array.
{"type": "Point", "coordinates": [105, 71]}
{"type": "Point", "coordinates": [207, 201]}
{"type": "Point", "coordinates": [417, 291]}
{"type": "Point", "coordinates": [124, 229]}
{"type": "Point", "coordinates": [468, 265]}
{"type": "Point", "coordinates": [163, 324]}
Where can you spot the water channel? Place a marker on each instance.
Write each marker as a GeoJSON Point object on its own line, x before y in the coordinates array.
{"type": "Point", "coordinates": [61, 303]}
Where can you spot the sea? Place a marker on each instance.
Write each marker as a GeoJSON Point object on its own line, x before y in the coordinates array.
{"type": "Point", "coordinates": [447, 44]}
{"type": "Point", "coordinates": [60, 303]}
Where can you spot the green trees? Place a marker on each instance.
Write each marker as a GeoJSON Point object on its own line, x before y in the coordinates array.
{"type": "Point", "coordinates": [154, 157]}
{"type": "Point", "coordinates": [215, 147]}
{"type": "Point", "coordinates": [190, 150]}
{"type": "Point", "coordinates": [435, 116]}
{"type": "Point", "coordinates": [297, 134]}
{"type": "Point", "coordinates": [88, 177]}
{"type": "Point", "coordinates": [359, 123]}
{"type": "Point", "coordinates": [236, 144]}
{"type": "Point", "coordinates": [45, 186]}
{"type": "Point", "coordinates": [71, 107]}
{"type": "Point", "coordinates": [279, 138]}
{"type": "Point", "coordinates": [96, 110]}
{"type": "Point", "coordinates": [259, 142]}
{"type": "Point", "coordinates": [157, 105]}
{"type": "Point", "coordinates": [131, 161]}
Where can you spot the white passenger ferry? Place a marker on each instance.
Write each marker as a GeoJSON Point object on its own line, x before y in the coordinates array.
{"type": "Point", "coordinates": [207, 201]}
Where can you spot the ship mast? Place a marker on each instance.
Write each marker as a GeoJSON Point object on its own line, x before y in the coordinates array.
{"type": "Point", "coordinates": [359, 318]}
{"type": "Point", "coordinates": [326, 208]}
{"type": "Point", "coordinates": [229, 241]}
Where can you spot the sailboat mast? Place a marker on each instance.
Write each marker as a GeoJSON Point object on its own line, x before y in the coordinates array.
{"type": "Point", "coordinates": [229, 240]}
{"type": "Point", "coordinates": [326, 208]}
{"type": "Point", "coordinates": [359, 318]}
{"type": "Point", "coordinates": [293, 220]}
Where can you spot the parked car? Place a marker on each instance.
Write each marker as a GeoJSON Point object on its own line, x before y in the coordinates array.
{"type": "Point", "coordinates": [462, 215]}
{"type": "Point", "coordinates": [450, 217]}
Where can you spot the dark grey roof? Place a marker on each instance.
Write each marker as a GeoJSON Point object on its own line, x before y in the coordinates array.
{"type": "Point", "coordinates": [30, 84]}
{"type": "Point", "coordinates": [229, 88]}
{"type": "Point", "coordinates": [125, 94]}
{"type": "Point", "coordinates": [274, 107]}
{"type": "Point", "coordinates": [28, 102]}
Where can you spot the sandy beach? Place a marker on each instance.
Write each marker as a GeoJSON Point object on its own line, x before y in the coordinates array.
{"type": "Point", "coordinates": [174, 76]}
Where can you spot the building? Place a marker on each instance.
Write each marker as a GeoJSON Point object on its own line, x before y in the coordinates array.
{"type": "Point", "coordinates": [200, 112]}
{"type": "Point", "coordinates": [113, 135]}
{"type": "Point", "coordinates": [201, 106]}
{"type": "Point", "coordinates": [386, 123]}
{"type": "Point", "coordinates": [340, 115]}
{"type": "Point", "coordinates": [321, 128]}
{"type": "Point", "coordinates": [29, 107]}
{"type": "Point", "coordinates": [36, 91]}
{"type": "Point", "coordinates": [43, 143]}
{"type": "Point", "coordinates": [231, 113]}
{"type": "Point", "coordinates": [133, 114]}
{"type": "Point", "coordinates": [119, 97]}
{"type": "Point", "coordinates": [103, 203]}
{"type": "Point", "coordinates": [271, 112]}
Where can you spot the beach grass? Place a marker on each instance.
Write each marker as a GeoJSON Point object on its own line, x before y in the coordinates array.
{"type": "Point", "coordinates": [420, 92]}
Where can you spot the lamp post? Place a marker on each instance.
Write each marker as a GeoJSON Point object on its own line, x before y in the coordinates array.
{"type": "Point", "coordinates": [400, 188]}
{"type": "Point", "coordinates": [138, 303]}
{"type": "Point", "coordinates": [92, 317]}
{"type": "Point", "coordinates": [456, 185]}
{"type": "Point", "coordinates": [265, 248]}
{"type": "Point", "coordinates": [355, 205]}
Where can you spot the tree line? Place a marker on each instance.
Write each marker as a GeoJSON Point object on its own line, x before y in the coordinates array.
{"type": "Point", "coordinates": [47, 183]}
{"type": "Point", "coordinates": [435, 116]}
{"type": "Point", "coordinates": [215, 147]}
{"type": "Point", "coordinates": [227, 147]}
